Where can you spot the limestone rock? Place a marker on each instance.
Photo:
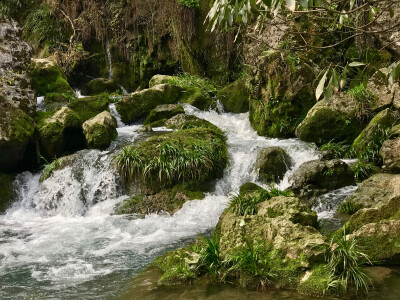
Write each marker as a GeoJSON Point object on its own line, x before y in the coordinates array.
{"type": "Point", "coordinates": [160, 79]}
{"type": "Point", "coordinates": [391, 155]}
{"type": "Point", "coordinates": [315, 178]}
{"type": "Point", "coordinates": [139, 104]}
{"type": "Point", "coordinates": [101, 85]}
{"type": "Point", "coordinates": [235, 97]}
{"type": "Point", "coordinates": [272, 164]}
{"type": "Point", "coordinates": [100, 130]}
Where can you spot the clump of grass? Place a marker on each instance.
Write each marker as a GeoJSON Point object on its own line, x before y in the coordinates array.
{"type": "Point", "coordinates": [49, 168]}
{"type": "Point", "coordinates": [371, 151]}
{"type": "Point", "coordinates": [210, 255]}
{"type": "Point", "coordinates": [173, 161]}
{"type": "Point", "coordinates": [346, 263]}
{"type": "Point", "coordinates": [363, 170]}
{"type": "Point", "coordinates": [207, 86]}
{"type": "Point", "coordinates": [338, 150]}
{"type": "Point", "coordinates": [348, 207]}
{"type": "Point", "coordinates": [365, 101]}
{"type": "Point", "coordinates": [247, 204]}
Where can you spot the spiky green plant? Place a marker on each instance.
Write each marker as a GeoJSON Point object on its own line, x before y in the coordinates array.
{"type": "Point", "coordinates": [363, 170]}
{"type": "Point", "coordinates": [50, 168]}
{"type": "Point", "coordinates": [339, 150]}
{"type": "Point", "coordinates": [346, 262]}
{"type": "Point", "coordinates": [210, 254]}
{"type": "Point", "coordinates": [348, 207]}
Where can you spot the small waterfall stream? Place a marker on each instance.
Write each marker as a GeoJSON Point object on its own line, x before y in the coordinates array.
{"type": "Point", "coordinates": [61, 239]}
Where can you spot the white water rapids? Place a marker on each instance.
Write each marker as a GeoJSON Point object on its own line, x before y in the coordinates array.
{"type": "Point", "coordinates": [61, 240]}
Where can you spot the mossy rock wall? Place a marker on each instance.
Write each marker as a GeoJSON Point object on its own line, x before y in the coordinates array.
{"type": "Point", "coordinates": [6, 191]}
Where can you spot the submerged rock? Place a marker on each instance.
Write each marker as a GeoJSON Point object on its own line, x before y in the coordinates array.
{"type": "Point", "coordinates": [61, 132]}
{"type": "Point", "coordinates": [139, 104]}
{"type": "Point", "coordinates": [164, 111]}
{"type": "Point", "coordinates": [235, 97]}
{"type": "Point", "coordinates": [334, 120]}
{"type": "Point", "coordinates": [100, 130]}
{"type": "Point", "coordinates": [317, 177]}
{"type": "Point", "coordinates": [100, 85]}
{"type": "Point", "coordinates": [272, 164]}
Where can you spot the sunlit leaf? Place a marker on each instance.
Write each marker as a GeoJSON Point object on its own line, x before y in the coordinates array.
{"type": "Point", "coordinates": [321, 85]}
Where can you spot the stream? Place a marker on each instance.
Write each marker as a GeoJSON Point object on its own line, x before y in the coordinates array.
{"type": "Point", "coordinates": [60, 239]}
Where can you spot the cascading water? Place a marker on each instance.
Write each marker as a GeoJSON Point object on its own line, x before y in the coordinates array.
{"type": "Point", "coordinates": [61, 239]}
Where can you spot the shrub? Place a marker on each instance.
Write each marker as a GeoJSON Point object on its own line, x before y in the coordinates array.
{"type": "Point", "coordinates": [346, 262]}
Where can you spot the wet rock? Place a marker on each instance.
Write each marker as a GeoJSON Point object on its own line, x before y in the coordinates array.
{"type": "Point", "coordinates": [15, 55]}
{"type": "Point", "coordinates": [61, 132]}
{"type": "Point", "coordinates": [375, 130]}
{"type": "Point", "coordinates": [235, 97]}
{"type": "Point", "coordinates": [334, 120]}
{"type": "Point", "coordinates": [282, 221]}
{"type": "Point", "coordinates": [6, 191]}
{"type": "Point", "coordinates": [16, 133]}
{"type": "Point", "coordinates": [391, 156]}
{"type": "Point", "coordinates": [317, 177]}
{"type": "Point", "coordinates": [47, 77]}
{"type": "Point", "coordinates": [139, 104]}
{"type": "Point", "coordinates": [100, 130]}
{"type": "Point", "coordinates": [88, 107]}
{"type": "Point", "coordinates": [164, 111]}
{"type": "Point", "coordinates": [380, 241]}
{"type": "Point", "coordinates": [272, 164]}
{"type": "Point", "coordinates": [101, 85]}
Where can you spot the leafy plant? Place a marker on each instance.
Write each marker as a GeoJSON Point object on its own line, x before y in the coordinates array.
{"type": "Point", "coordinates": [210, 254]}
{"type": "Point", "coordinates": [190, 3]}
{"type": "Point", "coordinates": [346, 262]}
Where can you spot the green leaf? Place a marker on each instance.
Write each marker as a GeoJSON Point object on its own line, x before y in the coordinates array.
{"type": "Point", "coordinates": [356, 64]}
{"type": "Point", "coordinates": [321, 85]}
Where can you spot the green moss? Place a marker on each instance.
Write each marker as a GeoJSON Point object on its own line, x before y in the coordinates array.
{"type": "Point", "coordinates": [190, 122]}
{"type": "Point", "coordinates": [101, 85]}
{"type": "Point", "coordinates": [235, 97]}
{"type": "Point", "coordinates": [249, 187]}
{"type": "Point", "coordinates": [165, 111]}
{"type": "Point", "coordinates": [89, 107]}
{"type": "Point", "coordinates": [317, 284]}
{"type": "Point", "coordinates": [56, 164]}
{"type": "Point", "coordinates": [99, 136]}
{"type": "Point", "coordinates": [48, 78]}
{"type": "Point", "coordinates": [380, 249]}
{"type": "Point", "coordinates": [6, 191]}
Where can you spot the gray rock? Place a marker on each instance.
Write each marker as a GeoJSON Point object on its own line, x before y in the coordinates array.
{"type": "Point", "coordinates": [272, 164]}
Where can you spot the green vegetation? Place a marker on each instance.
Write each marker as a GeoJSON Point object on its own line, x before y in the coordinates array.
{"type": "Point", "coordinates": [365, 101]}
{"type": "Point", "coordinates": [210, 257]}
{"type": "Point", "coordinates": [338, 150]}
{"type": "Point", "coordinates": [192, 154]}
{"type": "Point", "coordinates": [346, 263]}
{"type": "Point", "coordinates": [246, 204]}
{"type": "Point", "coordinates": [371, 150]}
{"type": "Point", "coordinates": [49, 168]}
{"type": "Point", "coordinates": [89, 107]}
{"type": "Point", "coordinates": [190, 3]}
{"type": "Point", "coordinates": [348, 207]}
{"type": "Point", "coordinates": [206, 86]}
{"type": "Point", "coordinates": [363, 170]}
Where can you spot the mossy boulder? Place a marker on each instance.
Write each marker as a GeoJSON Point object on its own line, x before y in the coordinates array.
{"type": "Point", "coordinates": [54, 101]}
{"type": "Point", "coordinates": [380, 241]}
{"type": "Point", "coordinates": [183, 121]}
{"type": "Point", "coordinates": [317, 177]}
{"type": "Point", "coordinates": [16, 132]}
{"type": "Point", "coordinates": [333, 120]}
{"type": "Point", "coordinates": [375, 130]}
{"type": "Point", "coordinates": [385, 95]}
{"type": "Point", "coordinates": [47, 77]}
{"type": "Point", "coordinates": [160, 79]}
{"type": "Point", "coordinates": [284, 222]}
{"type": "Point", "coordinates": [272, 164]}
{"type": "Point", "coordinates": [377, 198]}
{"type": "Point", "coordinates": [391, 156]}
{"type": "Point", "coordinates": [100, 130]}
{"type": "Point", "coordinates": [164, 111]}
{"type": "Point", "coordinates": [235, 97]}
{"type": "Point", "coordinates": [169, 200]}
{"type": "Point", "coordinates": [198, 154]}
{"type": "Point", "coordinates": [88, 107]}
{"type": "Point", "coordinates": [100, 85]}
{"type": "Point", "coordinates": [316, 282]}
{"type": "Point", "coordinates": [196, 97]}
{"type": "Point", "coordinates": [249, 187]}
{"type": "Point", "coordinates": [139, 104]}
{"type": "Point", "coordinates": [60, 132]}
{"type": "Point", "coordinates": [6, 191]}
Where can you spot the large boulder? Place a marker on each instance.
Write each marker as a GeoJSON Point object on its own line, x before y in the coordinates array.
{"type": "Point", "coordinates": [160, 79]}
{"type": "Point", "coordinates": [284, 222]}
{"type": "Point", "coordinates": [380, 241]}
{"type": "Point", "coordinates": [377, 199]}
{"type": "Point", "coordinates": [139, 104]}
{"type": "Point", "coordinates": [374, 131]}
{"type": "Point", "coordinates": [391, 156]}
{"type": "Point", "coordinates": [88, 107]}
{"type": "Point", "coordinates": [15, 55]}
{"type": "Point", "coordinates": [386, 95]}
{"type": "Point", "coordinates": [61, 132]}
{"type": "Point", "coordinates": [47, 77]}
{"type": "Point", "coordinates": [100, 85]}
{"type": "Point", "coordinates": [272, 164]}
{"type": "Point", "coordinates": [333, 120]}
{"type": "Point", "coordinates": [164, 111]}
{"type": "Point", "coordinates": [235, 97]}
{"type": "Point", "coordinates": [100, 130]}
{"type": "Point", "coordinates": [183, 121]}
{"type": "Point", "coordinates": [317, 177]}
{"type": "Point", "coordinates": [16, 133]}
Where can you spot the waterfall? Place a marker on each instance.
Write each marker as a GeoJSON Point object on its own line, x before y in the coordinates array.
{"type": "Point", "coordinates": [62, 238]}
